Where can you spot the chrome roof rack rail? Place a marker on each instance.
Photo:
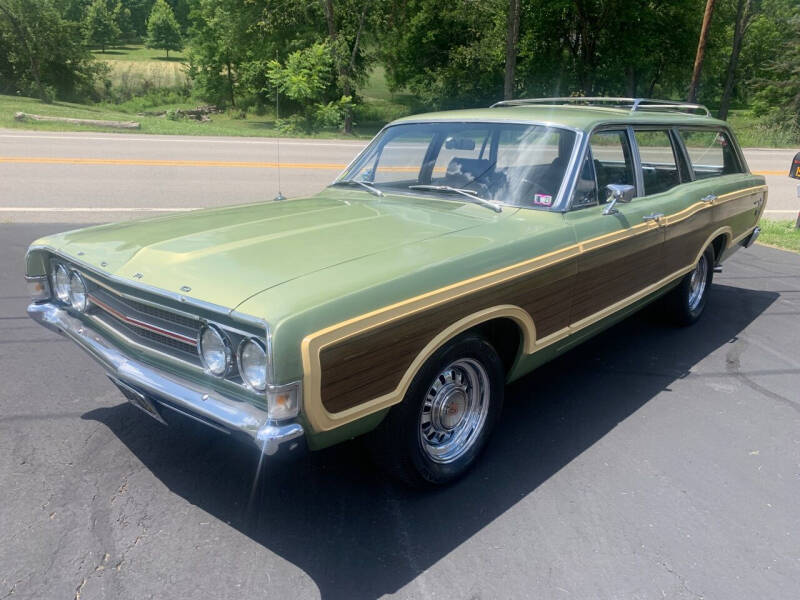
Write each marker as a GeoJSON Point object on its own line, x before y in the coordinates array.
{"type": "Point", "coordinates": [632, 104]}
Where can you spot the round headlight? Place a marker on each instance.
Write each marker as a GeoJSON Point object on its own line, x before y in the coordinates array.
{"type": "Point", "coordinates": [77, 292]}
{"type": "Point", "coordinates": [61, 283]}
{"type": "Point", "coordinates": [214, 351]}
{"type": "Point", "coordinates": [253, 364]}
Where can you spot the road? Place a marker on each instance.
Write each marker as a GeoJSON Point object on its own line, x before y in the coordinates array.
{"type": "Point", "coordinates": [92, 177]}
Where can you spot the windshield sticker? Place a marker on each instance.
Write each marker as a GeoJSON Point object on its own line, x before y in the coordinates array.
{"type": "Point", "coordinates": [543, 199]}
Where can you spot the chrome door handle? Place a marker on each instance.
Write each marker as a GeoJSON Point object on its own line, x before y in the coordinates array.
{"type": "Point", "coordinates": [653, 217]}
{"type": "Point", "coordinates": [709, 198]}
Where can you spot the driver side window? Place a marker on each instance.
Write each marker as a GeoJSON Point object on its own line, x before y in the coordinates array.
{"type": "Point", "coordinates": [609, 160]}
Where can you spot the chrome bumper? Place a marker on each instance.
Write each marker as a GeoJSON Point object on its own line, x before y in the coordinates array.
{"type": "Point", "coordinates": [751, 239]}
{"type": "Point", "coordinates": [179, 395]}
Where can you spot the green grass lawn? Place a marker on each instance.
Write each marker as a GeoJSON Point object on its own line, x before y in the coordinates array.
{"type": "Point", "coordinates": [780, 234]}
{"type": "Point", "coordinates": [221, 124]}
{"type": "Point", "coordinates": [138, 53]}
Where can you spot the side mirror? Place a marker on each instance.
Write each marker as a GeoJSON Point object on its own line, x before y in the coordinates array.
{"type": "Point", "coordinates": [618, 192]}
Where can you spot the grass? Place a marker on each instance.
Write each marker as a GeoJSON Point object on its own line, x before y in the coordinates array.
{"type": "Point", "coordinates": [759, 132]}
{"type": "Point", "coordinates": [142, 83]}
{"type": "Point", "coordinates": [222, 124]}
{"type": "Point", "coordinates": [137, 53]}
{"type": "Point", "coordinates": [780, 234]}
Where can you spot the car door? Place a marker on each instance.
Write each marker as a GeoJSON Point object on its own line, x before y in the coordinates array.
{"type": "Point", "coordinates": [621, 247]}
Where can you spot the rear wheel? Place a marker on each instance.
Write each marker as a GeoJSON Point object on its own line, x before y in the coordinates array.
{"type": "Point", "coordinates": [436, 434]}
{"type": "Point", "coordinates": [688, 300]}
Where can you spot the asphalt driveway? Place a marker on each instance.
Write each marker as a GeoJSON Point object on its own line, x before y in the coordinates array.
{"type": "Point", "coordinates": [652, 462]}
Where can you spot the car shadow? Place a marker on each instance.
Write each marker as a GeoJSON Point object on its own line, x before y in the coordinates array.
{"type": "Point", "coordinates": [358, 534]}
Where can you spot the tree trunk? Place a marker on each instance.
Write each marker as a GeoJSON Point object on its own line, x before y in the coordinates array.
{"type": "Point", "coordinates": [230, 85]}
{"type": "Point", "coordinates": [743, 16]}
{"type": "Point", "coordinates": [512, 38]}
{"type": "Point", "coordinates": [327, 7]}
{"type": "Point", "coordinates": [701, 51]}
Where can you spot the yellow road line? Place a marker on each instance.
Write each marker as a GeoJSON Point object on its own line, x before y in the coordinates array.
{"type": "Point", "coordinates": [166, 163]}
{"type": "Point", "coordinates": [206, 163]}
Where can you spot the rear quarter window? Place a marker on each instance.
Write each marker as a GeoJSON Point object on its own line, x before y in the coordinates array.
{"type": "Point", "coordinates": [711, 153]}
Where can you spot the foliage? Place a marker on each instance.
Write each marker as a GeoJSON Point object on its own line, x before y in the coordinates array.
{"type": "Point", "coordinates": [163, 31]}
{"type": "Point", "coordinates": [42, 54]}
{"type": "Point", "coordinates": [304, 78]}
{"type": "Point", "coordinates": [100, 26]}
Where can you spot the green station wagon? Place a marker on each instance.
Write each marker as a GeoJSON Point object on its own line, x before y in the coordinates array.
{"type": "Point", "coordinates": [458, 251]}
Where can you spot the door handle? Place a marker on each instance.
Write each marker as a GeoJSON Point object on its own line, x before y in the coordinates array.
{"type": "Point", "coordinates": [709, 198]}
{"type": "Point", "coordinates": [653, 217]}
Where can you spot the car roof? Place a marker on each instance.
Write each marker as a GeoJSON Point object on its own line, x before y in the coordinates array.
{"type": "Point", "coordinates": [576, 117]}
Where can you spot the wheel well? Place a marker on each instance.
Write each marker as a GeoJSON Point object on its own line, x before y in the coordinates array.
{"type": "Point", "coordinates": [506, 337]}
{"type": "Point", "coordinates": [719, 244]}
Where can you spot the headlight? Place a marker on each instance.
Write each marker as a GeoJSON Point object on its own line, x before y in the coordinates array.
{"type": "Point", "coordinates": [253, 364]}
{"type": "Point", "coordinates": [214, 350]}
{"type": "Point", "coordinates": [77, 292]}
{"type": "Point", "coordinates": [61, 283]}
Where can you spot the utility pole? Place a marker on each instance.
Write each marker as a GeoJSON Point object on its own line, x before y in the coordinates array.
{"type": "Point", "coordinates": [701, 51]}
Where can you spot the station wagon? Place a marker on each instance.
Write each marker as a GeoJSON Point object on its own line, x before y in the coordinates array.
{"type": "Point", "coordinates": [459, 251]}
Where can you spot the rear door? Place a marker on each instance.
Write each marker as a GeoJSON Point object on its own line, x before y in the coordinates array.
{"type": "Point", "coordinates": [729, 196]}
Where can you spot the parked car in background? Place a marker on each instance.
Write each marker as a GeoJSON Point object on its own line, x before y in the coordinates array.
{"type": "Point", "coordinates": [459, 251]}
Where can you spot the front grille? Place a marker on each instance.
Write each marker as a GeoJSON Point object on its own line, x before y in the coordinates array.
{"type": "Point", "coordinates": [151, 326]}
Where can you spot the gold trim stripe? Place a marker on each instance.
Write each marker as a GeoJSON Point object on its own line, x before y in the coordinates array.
{"type": "Point", "coordinates": [312, 344]}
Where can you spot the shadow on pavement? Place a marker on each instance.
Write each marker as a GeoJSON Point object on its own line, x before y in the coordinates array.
{"type": "Point", "coordinates": [358, 534]}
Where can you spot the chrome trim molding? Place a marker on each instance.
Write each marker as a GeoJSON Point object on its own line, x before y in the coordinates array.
{"type": "Point", "coordinates": [200, 403]}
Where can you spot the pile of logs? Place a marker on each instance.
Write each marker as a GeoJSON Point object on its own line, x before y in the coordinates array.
{"type": "Point", "coordinates": [197, 114]}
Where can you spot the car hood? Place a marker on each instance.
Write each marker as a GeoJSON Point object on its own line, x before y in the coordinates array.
{"type": "Point", "coordinates": [227, 255]}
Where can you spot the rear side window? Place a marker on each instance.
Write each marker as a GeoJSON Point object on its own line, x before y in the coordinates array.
{"type": "Point", "coordinates": [659, 167]}
{"type": "Point", "coordinates": [711, 153]}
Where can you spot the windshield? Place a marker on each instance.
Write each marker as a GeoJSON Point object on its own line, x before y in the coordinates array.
{"type": "Point", "coordinates": [512, 163]}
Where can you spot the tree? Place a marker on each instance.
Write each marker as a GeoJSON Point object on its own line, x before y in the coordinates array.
{"type": "Point", "coordinates": [701, 50]}
{"type": "Point", "coordinates": [42, 54]}
{"type": "Point", "coordinates": [100, 24]}
{"type": "Point", "coordinates": [744, 14]}
{"type": "Point", "coordinates": [345, 50]}
{"type": "Point", "coordinates": [512, 39]}
{"type": "Point", "coordinates": [163, 31]}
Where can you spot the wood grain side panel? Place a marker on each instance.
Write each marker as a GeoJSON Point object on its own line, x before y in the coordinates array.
{"type": "Point", "coordinates": [372, 363]}
{"type": "Point", "coordinates": [685, 239]}
{"type": "Point", "coordinates": [609, 274]}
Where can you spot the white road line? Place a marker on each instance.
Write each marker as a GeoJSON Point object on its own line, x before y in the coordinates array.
{"type": "Point", "coordinates": [182, 140]}
{"type": "Point", "coordinates": [783, 212]}
{"type": "Point", "coordinates": [107, 209]}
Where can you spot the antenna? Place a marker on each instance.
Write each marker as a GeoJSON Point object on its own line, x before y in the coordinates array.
{"type": "Point", "coordinates": [280, 196]}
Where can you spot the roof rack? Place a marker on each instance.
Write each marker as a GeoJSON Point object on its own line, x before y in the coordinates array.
{"type": "Point", "coordinates": [632, 104]}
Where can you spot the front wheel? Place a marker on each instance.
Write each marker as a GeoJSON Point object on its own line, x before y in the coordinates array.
{"type": "Point", "coordinates": [437, 432]}
{"type": "Point", "coordinates": [688, 300]}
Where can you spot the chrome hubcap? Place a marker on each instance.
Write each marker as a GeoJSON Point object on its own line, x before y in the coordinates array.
{"type": "Point", "coordinates": [697, 283]}
{"type": "Point", "coordinates": [454, 410]}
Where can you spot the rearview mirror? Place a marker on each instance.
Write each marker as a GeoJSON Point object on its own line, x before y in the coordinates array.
{"type": "Point", "coordinates": [453, 143]}
{"type": "Point", "coordinates": [618, 192]}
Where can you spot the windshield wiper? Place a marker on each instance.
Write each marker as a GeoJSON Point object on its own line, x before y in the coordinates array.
{"type": "Point", "coordinates": [371, 189]}
{"type": "Point", "coordinates": [472, 195]}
